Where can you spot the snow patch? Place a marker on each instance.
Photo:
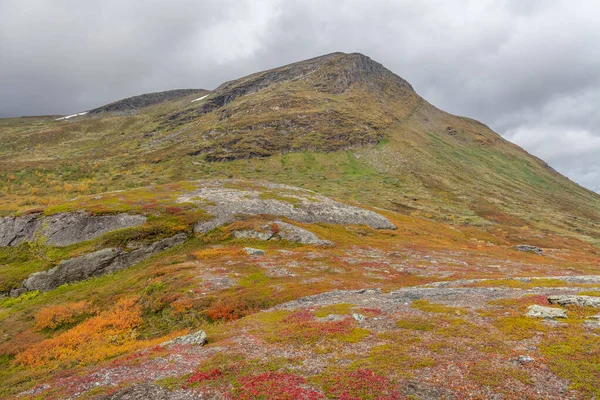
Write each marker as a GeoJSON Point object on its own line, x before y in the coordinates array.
{"type": "Point", "coordinates": [199, 98]}
{"type": "Point", "coordinates": [71, 116]}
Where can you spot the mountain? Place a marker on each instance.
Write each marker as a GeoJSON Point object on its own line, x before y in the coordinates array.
{"type": "Point", "coordinates": [341, 124]}
{"type": "Point", "coordinates": [312, 231]}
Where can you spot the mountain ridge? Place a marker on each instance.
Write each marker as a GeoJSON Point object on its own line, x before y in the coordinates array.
{"type": "Point", "coordinates": [321, 123]}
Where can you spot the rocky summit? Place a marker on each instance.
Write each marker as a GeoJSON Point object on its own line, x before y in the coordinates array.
{"type": "Point", "coordinates": [313, 231]}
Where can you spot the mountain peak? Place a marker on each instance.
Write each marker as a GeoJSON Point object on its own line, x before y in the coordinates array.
{"type": "Point", "coordinates": [333, 73]}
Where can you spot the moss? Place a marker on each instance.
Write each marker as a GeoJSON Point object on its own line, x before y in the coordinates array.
{"type": "Point", "coordinates": [589, 293]}
{"type": "Point", "coordinates": [415, 323]}
{"type": "Point", "coordinates": [254, 278]}
{"type": "Point", "coordinates": [496, 376]}
{"type": "Point", "coordinates": [354, 336]}
{"type": "Point", "coordinates": [575, 355]}
{"type": "Point", "coordinates": [393, 359]}
{"type": "Point", "coordinates": [11, 301]}
{"type": "Point", "coordinates": [518, 327]}
{"type": "Point", "coordinates": [340, 309]}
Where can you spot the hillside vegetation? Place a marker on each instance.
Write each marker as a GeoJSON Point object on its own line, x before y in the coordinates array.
{"type": "Point", "coordinates": [340, 124]}
{"type": "Point", "coordinates": [433, 309]}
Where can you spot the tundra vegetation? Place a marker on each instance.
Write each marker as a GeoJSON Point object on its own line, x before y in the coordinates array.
{"type": "Point", "coordinates": [433, 309]}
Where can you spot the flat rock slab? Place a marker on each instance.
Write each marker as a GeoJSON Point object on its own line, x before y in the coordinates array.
{"type": "Point", "coordinates": [63, 229]}
{"type": "Point", "coordinates": [93, 264]}
{"type": "Point", "coordinates": [285, 231]}
{"type": "Point", "coordinates": [536, 311]}
{"type": "Point", "coordinates": [227, 199]}
{"type": "Point", "coordinates": [585, 301]}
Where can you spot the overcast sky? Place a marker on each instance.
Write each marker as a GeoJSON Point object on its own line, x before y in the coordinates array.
{"type": "Point", "coordinates": [530, 69]}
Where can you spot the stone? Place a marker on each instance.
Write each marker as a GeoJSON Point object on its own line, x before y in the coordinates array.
{"type": "Point", "coordinates": [196, 339]}
{"type": "Point", "coordinates": [254, 252]}
{"type": "Point", "coordinates": [525, 359]}
{"type": "Point", "coordinates": [529, 249]}
{"type": "Point", "coordinates": [585, 301]}
{"type": "Point", "coordinates": [536, 311]}
{"type": "Point", "coordinates": [15, 230]}
{"type": "Point", "coordinates": [94, 264]}
{"type": "Point", "coordinates": [63, 229]}
{"type": "Point", "coordinates": [227, 199]}
{"type": "Point", "coordinates": [359, 317]}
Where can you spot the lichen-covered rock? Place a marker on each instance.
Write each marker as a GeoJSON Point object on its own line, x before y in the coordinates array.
{"type": "Point", "coordinates": [94, 264]}
{"type": "Point", "coordinates": [63, 229]}
{"type": "Point", "coordinates": [196, 338]}
{"type": "Point", "coordinates": [536, 311]}
{"type": "Point", "coordinates": [284, 231]}
{"type": "Point", "coordinates": [529, 249]}
{"type": "Point", "coordinates": [254, 252]}
{"type": "Point", "coordinates": [226, 200]}
{"type": "Point", "coordinates": [585, 301]}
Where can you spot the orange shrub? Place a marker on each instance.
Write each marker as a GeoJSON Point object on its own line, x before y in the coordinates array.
{"type": "Point", "coordinates": [55, 316]}
{"type": "Point", "coordinates": [105, 335]}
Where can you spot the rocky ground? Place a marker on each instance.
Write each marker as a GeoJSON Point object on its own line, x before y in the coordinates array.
{"type": "Point", "coordinates": [297, 305]}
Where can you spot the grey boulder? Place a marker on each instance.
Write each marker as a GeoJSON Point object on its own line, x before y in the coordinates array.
{"type": "Point", "coordinates": [536, 311]}
{"type": "Point", "coordinates": [94, 264]}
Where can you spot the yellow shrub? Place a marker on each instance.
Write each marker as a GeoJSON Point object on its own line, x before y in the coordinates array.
{"type": "Point", "coordinates": [106, 335]}
{"type": "Point", "coordinates": [55, 316]}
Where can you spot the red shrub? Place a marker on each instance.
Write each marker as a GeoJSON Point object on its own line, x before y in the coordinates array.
{"type": "Point", "coordinates": [198, 376]}
{"type": "Point", "coordinates": [275, 386]}
{"type": "Point", "coordinates": [362, 384]}
{"type": "Point", "coordinates": [173, 210]}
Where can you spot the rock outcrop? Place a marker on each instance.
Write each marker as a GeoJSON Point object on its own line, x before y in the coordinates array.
{"type": "Point", "coordinates": [63, 229]}
{"type": "Point", "coordinates": [226, 200]}
{"type": "Point", "coordinates": [15, 230]}
{"type": "Point", "coordinates": [285, 231]}
{"type": "Point", "coordinates": [585, 301]}
{"type": "Point", "coordinates": [94, 264]}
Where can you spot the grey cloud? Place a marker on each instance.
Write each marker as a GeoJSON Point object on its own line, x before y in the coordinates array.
{"type": "Point", "coordinates": [529, 69]}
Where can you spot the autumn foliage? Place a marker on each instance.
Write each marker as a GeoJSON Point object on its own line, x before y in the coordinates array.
{"type": "Point", "coordinates": [107, 334]}
{"type": "Point", "coordinates": [56, 316]}
{"type": "Point", "coordinates": [275, 386]}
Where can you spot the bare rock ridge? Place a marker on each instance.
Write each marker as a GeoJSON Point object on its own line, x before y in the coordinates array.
{"type": "Point", "coordinates": [133, 103]}
{"type": "Point", "coordinates": [94, 264]}
{"type": "Point", "coordinates": [337, 72]}
{"type": "Point", "coordinates": [228, 200]}
{"type": "Point", "coordinates": [62, 229]}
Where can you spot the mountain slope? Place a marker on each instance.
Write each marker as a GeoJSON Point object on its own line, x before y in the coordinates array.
{"type": "Point", "coordinates": [341, 124]}
{"type": "Point", "coordinates": [130, 268]}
